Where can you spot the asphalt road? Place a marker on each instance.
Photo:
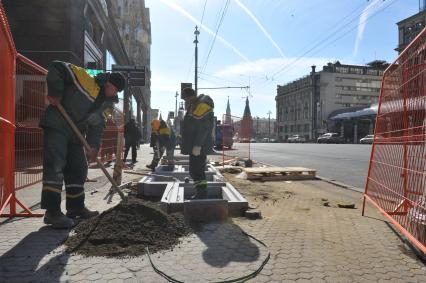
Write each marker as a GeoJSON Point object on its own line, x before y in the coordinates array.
{"type": "Point", "coordinates": [346, 163]}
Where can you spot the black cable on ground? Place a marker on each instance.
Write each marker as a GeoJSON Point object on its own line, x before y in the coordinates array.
{"type": "Point", "coordinates": [239, 279]}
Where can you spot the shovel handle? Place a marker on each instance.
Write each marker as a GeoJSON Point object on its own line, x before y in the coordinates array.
{"type": "Point", "coordinates": [89, 148]}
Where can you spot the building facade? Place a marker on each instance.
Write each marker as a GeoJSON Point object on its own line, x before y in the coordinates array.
{"type": "Point", "coordinates": [264, 128]}
{"type": "Point", "coordinates": [304, 106]}
{"type": "Point", "coordinates": [134, 26]}
{"type": "Point", "coordinates": [80, 32]}
{"type": "Point", "coordinates": [410, 27]}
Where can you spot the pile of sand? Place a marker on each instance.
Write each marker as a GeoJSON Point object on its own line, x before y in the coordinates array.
{"type": "Point", "coordinates": [126, 229]}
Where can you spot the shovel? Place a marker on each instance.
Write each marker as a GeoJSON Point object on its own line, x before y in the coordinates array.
{"type": "Point", "coordinates": [115, 187]}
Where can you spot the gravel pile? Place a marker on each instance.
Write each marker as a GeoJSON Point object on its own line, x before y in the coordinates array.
{"type": "Point", "coordinates": [126, 229]}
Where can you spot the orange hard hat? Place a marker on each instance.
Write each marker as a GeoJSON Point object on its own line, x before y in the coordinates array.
{"type": "Point", "coordinates": [155, 124]}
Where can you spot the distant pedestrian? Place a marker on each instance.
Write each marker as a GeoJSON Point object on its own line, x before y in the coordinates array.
{"type": "Point", "coordinates": [132, 136]}
{"type": "Point", "coordinates": [197, 139]}
{"type": "Point", "coordinates": [162, 139]}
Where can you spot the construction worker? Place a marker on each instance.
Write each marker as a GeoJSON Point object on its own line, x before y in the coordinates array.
{"type": "Point", "coordinates": [87, 101]}
{"type": "Point", "coordinates": [197, 136]}
{"type": "Point", "coordinates": [162, 139]}
{"type": "Point", "coordinates": [132, 135]}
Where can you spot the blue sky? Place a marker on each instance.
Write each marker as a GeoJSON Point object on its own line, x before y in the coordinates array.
{"type": "Point", "coordinates": [263, 43]}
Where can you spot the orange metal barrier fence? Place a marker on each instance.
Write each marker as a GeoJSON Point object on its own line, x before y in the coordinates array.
{"type": "Point", "coordinates": [23, 100]}
{"type": "Point", "coordinates": [8, 200]}
{"type": "Point", "coordinates": [30, 102]}
{"type": "Point", "coordinates": [396, 182]}
{"type": "Point", "coordinates": [233, 136]}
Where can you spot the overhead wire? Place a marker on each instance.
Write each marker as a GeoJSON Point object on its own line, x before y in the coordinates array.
{"type": "Point", "coordinates": [224, 10]}
{"type": "Point", "coordinates": [335, 32]}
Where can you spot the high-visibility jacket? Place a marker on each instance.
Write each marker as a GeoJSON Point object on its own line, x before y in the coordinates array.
{"type": "Point", "coordinates": [198, 125]}
{"type": "Point", "coordinates": [166, 136]}
{"type": "Point", "coordinates": [81, 96]}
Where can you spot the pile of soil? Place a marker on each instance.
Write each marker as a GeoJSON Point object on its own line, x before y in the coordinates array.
{"type": "Point", "coordinates": [126, 229]}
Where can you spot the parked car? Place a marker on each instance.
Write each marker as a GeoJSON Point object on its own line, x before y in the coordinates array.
{"type": "Point", "coordinates": [296, 138]}
{"type": "Point", "coordinates": [330, 138]}
{"type": "Point", "coordinates": [368, 139]}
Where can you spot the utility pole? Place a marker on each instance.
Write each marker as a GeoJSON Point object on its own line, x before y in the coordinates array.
{"type": "Point", "coordinates": [176, 96]}
{"type": "Point", "coordinates": [269, 125]}
{"type": "Point", "coordinates": [196, 32]}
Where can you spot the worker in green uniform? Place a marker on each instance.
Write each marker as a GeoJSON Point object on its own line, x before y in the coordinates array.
{"type": "Point", "coordinates": [87, 101]}
{"type": "Point", "coordinates": [164, 139]}
{"type": "Point", "coordinates": [197, 139]}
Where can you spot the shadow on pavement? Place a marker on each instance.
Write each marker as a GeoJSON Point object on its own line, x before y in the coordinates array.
{"type": "Point", "coordinates": [226, 243]}
{"type": "Point", "coordinates": [31, 260]}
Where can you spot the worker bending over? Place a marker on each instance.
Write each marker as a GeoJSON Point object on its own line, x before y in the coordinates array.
{"type": "Point", "coordinates": [87, 101]}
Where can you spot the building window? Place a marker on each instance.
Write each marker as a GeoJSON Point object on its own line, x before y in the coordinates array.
{"type": "Point", "coordinates": [306, 127]}
{"type": "Point", "coordinates": [338, 79]}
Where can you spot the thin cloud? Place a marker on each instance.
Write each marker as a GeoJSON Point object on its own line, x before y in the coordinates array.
{"type": "Point", "coordinates": [260, 26]}
{"type": "Point", "coordinates": [363, 22]}
{"type": "Point", "coordinates": [267, 65]}
{"type": "Point", "coordinates": [182, 11]}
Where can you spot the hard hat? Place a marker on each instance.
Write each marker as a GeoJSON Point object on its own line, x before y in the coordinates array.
{"type": "Point", "coordinates": [155, 124]}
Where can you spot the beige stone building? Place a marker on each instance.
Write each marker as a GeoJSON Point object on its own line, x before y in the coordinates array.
{"type": "Point", "coordinates": [133, 22]}
{"type": "Point", "coordinates": [304, 106]}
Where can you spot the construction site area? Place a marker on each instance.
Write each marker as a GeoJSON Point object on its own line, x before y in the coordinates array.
{"type": "Point", "coordinates": [288, 230]}
{"type": "Point", "coordinates": [244, 220]}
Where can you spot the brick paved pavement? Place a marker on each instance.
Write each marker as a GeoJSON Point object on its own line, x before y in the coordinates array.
{"type": "Point", "coordinates": [308, 243]}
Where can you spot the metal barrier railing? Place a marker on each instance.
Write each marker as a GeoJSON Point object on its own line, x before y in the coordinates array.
{"type": "Point", "coordinates": [233, 136]}
{"type": "Point", "coordinates": [30, 102]}
{"type": "Point", "coordinates": [23, 93]}
{"type": "Point", "coordinates": [8, 57]}
{"type": "Point", "coordinates": [7, 129]}
{"type": "Point", "coordinates": [396, 182]}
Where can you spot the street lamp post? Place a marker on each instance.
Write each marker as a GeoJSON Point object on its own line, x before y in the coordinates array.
{"type": "Point", "coordinates": [196, 32]}
{"type": "Point", "coordinates": [269, 125]}
{"type": "Point", "coordinates": [176, 96]}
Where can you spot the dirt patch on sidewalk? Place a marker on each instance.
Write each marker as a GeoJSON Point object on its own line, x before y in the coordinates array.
{"type": "Point", "coordinates": [271, 197]}
{"type": "Point", "coordinates": [127, 229]}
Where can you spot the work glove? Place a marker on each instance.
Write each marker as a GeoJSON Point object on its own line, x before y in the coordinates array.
{"type": "Point", "coordinates": [54, 100]}
{"type": "Point", "coordinates": [92, 154]}
{"type": "Point", "coordinates": [196, 150]}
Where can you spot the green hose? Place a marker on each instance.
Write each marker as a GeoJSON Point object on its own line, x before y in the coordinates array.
{"type": "Point", "coordinates": [239, 279]}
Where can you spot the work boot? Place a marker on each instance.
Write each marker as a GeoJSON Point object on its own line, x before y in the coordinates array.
{"type": "Point", "coordinates": [58, 220]}
{"type": "Point", "coordinates": [200, 190]}
{"type": "Point", "coordinates": [149, 166]}
{"type": "Point", "coordinates": [83, 213]}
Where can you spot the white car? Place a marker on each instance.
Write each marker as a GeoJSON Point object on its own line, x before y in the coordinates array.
{"type": "Point", "coordinates": [296, 138]}
{"type": "Point", "coordinates": [368, 139]}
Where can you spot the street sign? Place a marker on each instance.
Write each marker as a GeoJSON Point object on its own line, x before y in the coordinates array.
{"type": "Point", "coordinates": [136, 82]}
{"type": "Point", "coordinates": [128, 68]}
{"type": "Point", "coordinates": [183, 86]}
{"type": "Point", "coordinates": [135, 74]}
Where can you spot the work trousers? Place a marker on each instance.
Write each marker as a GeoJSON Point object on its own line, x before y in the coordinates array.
{"type": "Point", "coordinates": [134, 152]}
{"type": "Point", "coordinates": [64, 161]}
{"type": "Point", "coordinates": [170, 154]}
{"type": "Point", "coordinates": [197, 167]}
{"type": "Point", "coordinates": [158, 153]}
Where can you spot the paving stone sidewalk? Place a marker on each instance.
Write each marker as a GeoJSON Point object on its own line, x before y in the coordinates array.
{"type": "Point", "coordinates": [308, 243]}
